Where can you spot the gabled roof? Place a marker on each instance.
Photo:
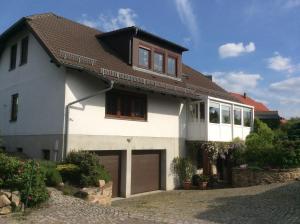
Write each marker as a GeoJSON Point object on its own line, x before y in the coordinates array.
{"type": "Point", "coordinates": [258, 106]}
{"type": "Point", "coordinates": [71, 44]}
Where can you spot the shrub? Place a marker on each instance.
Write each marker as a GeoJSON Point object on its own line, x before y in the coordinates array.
{"type": "Point", "coordinates": [183, 168]}
{"type": "Point", "coordinates": [262, 137]}
{"type": "Point", "coordinates": [24, 176]}
{"type": "Point", "coordinates": [70, 173]}
{"type": "Point", "coordinates": [90, 170]}
{"type": "Point", "coordinates": [53, 177]}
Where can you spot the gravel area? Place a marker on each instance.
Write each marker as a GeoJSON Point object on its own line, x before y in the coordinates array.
{"type": "Point", "coordinates": [274, 203]}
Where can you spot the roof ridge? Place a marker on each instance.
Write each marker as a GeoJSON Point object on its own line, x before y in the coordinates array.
{"type": "Point", "coordinates": [47, 14]}
{"type": "Point", "coordinates": [40, 15]}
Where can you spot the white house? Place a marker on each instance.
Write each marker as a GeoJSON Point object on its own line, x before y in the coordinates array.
{"type": "Point", "coordinates": [125, 95]}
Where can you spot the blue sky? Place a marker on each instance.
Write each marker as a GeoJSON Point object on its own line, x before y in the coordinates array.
{"type": "Point", "coordinates": [251, 46]}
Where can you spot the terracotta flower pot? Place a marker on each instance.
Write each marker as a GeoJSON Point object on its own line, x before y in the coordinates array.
{"type": "Point", "coordinates": [187, 185]}
{"type": "Point", "coordinates": [203, 185]}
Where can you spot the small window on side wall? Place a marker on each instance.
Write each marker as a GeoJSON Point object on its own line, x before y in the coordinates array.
{"type": "Point", "coordinates": [46, 154]}
{"type": "Point", "coordinates": [14, 107]}
{"type": "Point", "coordinates": [247, 117]}
{"type": "Point", "coordinates": [238, 116]}
{"type": "Point", "coordinates": [24, 51]}
{"type": "Point", "coordinates": [214, 113]}
{"type": "Point", "coordinates": [13, 57]}
{"type": "Point", "coordinates": [172, 66]}
{"type": "Point", "coordinates": [144, 57]}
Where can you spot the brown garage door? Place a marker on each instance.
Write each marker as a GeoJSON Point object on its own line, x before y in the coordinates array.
{"type": "Point", "coordinates": [111, 160]}
{"type": "Point", "coordinates": [145, 171]}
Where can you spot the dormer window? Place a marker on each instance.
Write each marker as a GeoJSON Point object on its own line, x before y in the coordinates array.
{"type": "Point", "coordinates": [172, 66]}
{"type": "Point", "coordinates": [144, 57]}
{"type": "Point", "coordinates": [158, 62]}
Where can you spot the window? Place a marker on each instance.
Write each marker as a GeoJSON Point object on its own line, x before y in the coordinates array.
{"type": "Point", "coordinates": [126, 105]}
{"type": "Point", "coordinates": [14, 107]}
{"type": "Point", "coordinates": [238, 116]}
{"type": "Point", "coordinates": [226, 117]}
{"type": "Point", "coordinates": [24, 51]}
{"type": "Point", "coordinates": [202, 111]}
{"type": "Point", "coordinates": [171, 66]}
{"type": "Point", "coordinates": [158, 62]}
{"type": "Point", "coordinates": [214, 113]}
{"type": "Point", "coordinates": [144, 57]}
{"type": "Point", "coordinates": [194, 112]}
{"type": "Point", "coordinates": [13, 57]}
{"type": "Point", "coordinates": [46, 154]}
{"type": "Point", "coordinates": [247, 117]}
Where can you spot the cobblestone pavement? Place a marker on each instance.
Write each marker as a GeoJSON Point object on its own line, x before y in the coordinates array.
{"type": "Point", "coordinates": [274, 203]}
{"type": "Point", "coordinates": [63, 209]}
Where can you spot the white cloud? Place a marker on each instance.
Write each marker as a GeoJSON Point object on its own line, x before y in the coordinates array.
{"type": "Point", "coordinates": [188, 17]}
{"type": "Point", "coordinates": [287, 85]}
{"type": "Point", "coordinates": [235, 49]}
{"type": "Point", "coordinates": [237, 81]}
{"type": "Point", "coordinates": [291, 3]}
{"type": "Point", "coordinates": [125, 17]}
{"type": "Point", "coordinates": [280, 63]}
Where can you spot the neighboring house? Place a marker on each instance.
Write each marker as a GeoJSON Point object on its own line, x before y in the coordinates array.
{"type": "Point", "coordinates": [125, 95]}
{"type": "Point", "coordinates": [271, 117]}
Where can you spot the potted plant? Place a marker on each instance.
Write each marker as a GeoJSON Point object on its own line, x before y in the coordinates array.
{"type": "Point", "coordinates": [184, 169]}
{"type": "Point", "coordinates": [203, 181]}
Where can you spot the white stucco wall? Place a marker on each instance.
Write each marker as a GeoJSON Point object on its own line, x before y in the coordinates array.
{"type": "Point", "coordinates": [165, 118]}
{"type": "Point", "coordinates": [40, 85]}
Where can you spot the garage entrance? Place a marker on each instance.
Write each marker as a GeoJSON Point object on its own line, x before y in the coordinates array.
{"type": "Point", "coordinates": [145, 171]}
{"type": "Point", "coordinates": [111, 160]}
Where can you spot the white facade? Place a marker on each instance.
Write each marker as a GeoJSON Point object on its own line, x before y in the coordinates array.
{"type": "Point", "coordinates": [45, 89]}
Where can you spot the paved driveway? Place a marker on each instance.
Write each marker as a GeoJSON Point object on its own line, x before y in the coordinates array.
{"type": "Point", "coordinates": [275, 203]}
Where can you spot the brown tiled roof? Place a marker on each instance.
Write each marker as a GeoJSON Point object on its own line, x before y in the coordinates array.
{"type": "Point", "coordinates": [258, 106]}
{"type": "Point", "coordinates": [75, 45]}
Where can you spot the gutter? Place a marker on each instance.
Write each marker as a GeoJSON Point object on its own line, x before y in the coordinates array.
{"type": "Point", "coordinates": [67, 113]}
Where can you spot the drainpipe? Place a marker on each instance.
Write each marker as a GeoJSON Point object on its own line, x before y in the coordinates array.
{"type": "Point", "coordinates": [67, 110]}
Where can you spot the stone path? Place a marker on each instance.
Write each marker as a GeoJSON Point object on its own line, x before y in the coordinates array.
{"type": "Point", "coordinates": [63, 209]}
{"type": "Point", "coordinates": [274, 203]}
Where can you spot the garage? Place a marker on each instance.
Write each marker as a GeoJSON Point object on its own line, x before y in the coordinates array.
{"type": "Point", "coordinates": [145, 171]}
{"type": "Point", "coordinates": [111, 160]}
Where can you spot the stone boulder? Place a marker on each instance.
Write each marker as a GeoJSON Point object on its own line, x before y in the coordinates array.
{"type": "Point", "coordinates": [97, 195]}
{"type": "Point", "coordinates": [9, 201]}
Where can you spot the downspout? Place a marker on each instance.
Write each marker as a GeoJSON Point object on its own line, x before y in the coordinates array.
{"type": "Point", "coordinates": [67, 111]}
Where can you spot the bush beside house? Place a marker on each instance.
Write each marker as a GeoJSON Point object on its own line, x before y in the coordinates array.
{"type": "Point", "coordinates": [26, 177]}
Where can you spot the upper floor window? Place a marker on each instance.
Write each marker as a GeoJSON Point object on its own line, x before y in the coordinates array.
{"type": "Point", "coordinates": [226, 117]}
{"type": "Point", "coordinates": [13, 57]}
{"type": "Point", "coordinates": [158, 62]}
{"type": "Point", "coordinates": [24, 51]}
{"type": "Point", "coordinates": [14, 107]}
{"type": "Point", "coordinates": [144, 57]}
{"type": "Point", "coordinates": [171, 66]}
{"type": "Point", "coordinates": [126, 105]}
{"type": "Point", "coordinates": [214, 113]}
{"type": "Point", "coordinates": [238, 116]}
{"type": "Point", "coordinates": [247, 117]}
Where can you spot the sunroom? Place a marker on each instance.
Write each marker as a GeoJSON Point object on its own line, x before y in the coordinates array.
{"type": "Point", "coordinates": [214, 119]}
